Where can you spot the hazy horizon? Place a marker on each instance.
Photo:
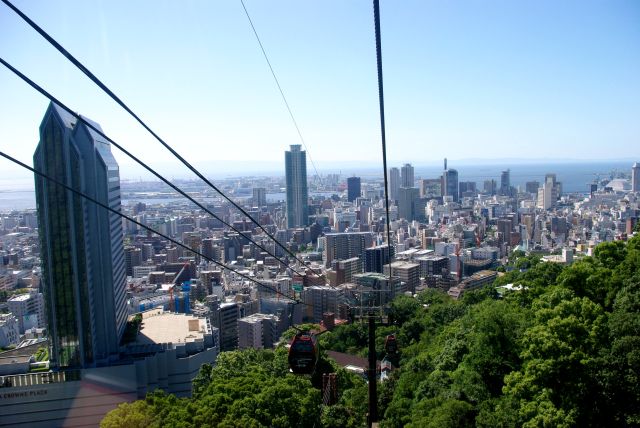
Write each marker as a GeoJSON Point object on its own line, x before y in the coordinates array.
{"type": "Point", "coordinates": [226, 169]}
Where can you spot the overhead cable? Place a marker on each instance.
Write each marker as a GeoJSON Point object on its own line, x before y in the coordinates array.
{"type": "Point", "coordinates": [273, 73]}
{"type": "Point", "coordinates": [114, 97]}
{"type": "Point", "coordinates": [376, 16]}
{"type": "Point", "coordinates": [136, 159]}
{"type": "Point", "coordinates": [90, 199]}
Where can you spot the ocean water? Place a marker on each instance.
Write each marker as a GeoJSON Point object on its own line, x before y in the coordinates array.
{"type": "Point", "coordinates": [575, 177]}
{"type": "Point", "coordinates": [18, 194]}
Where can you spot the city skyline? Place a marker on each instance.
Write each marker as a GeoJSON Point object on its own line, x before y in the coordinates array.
{"type": "Point", "coordinates": [194, 288]}
{"type": "Point", "coordinates": [464, 95]}
{"type": "Point", "coordinates": [499, 204]}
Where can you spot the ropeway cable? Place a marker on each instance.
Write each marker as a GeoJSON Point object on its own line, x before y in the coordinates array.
{"type": "Point", "coordinates": [90, 199]}
{"type": "Point", "coordinates": [53, 99]}
{"type": "Point", "coordinates": [273, 73]}
{"type": "Point", "coordinates": [376, 15]}
{"type": "Point", "coordinates": [114, 97]}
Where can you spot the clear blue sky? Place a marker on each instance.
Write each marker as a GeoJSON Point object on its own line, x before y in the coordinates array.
{"type": "Point", "coordinates": [463, 79]}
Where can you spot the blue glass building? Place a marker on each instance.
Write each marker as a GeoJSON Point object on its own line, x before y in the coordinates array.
{"type": "Point", "coordinates": [83, 268]}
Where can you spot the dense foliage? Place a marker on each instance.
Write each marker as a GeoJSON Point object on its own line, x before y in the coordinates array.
{"type": "Point", "coordinates": [563, 351]}
{"type": "Point", "coordinates": [247, 388]}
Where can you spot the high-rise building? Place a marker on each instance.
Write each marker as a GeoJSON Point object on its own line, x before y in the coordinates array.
{"type": "Point", "coordinates": [407, 175]}
{"type": "Point", "coordinates": [406, 272]}
{"type": "Point", "coordinates": [297, 194]}
{"type": "Point", "coordinates": [635, 177]}
{"type": "Point", "coordinates": [549, 193]}
{"type": "Point", "coordinates": [353, 188]}
{"type": "Point", "coordinates": [320, 299]}
{"type": "Point", "coordinates": [394, 183]}
{"type": "Point", "coordinates": [555, 185]}
{"type": "Point", "coordinates": [450, 183]}
{"type": "Point", "coordinates": [490, 187]}
{"type": "Point", "coordinates": [228, 314]}
{"type": "Point", "coordinates": [259, 196]}
{"type": "Point", "coordinates": [345, 269]}
{"type": "Point", "coordinates": [407, 207]}
{"type": "Point", "coordinates": [375, 258]}
{"type": "Point", "coordinates": [257, 331]}
{"type": "Point", "coordinates": [433, 265]}
{"type": "Point", "coordinates": [342, 246]}
{"type": "Point", "coordinates": [505, 183]}
{"type": "Point", "coordinates": [532, 187]}
{"type": "Point", "coordinates": [467, 188]}
{"type": "Point", "coordinates": [132, 258]}
{"type": "Point", "coordinates": [83, 267]}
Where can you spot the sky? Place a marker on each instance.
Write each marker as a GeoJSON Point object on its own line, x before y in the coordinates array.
{"type": "Point", "coordinates": [474, 81]}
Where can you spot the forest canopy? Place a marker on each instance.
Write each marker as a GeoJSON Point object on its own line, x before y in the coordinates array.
{"type": "Point", "coordinates": [562, 351]}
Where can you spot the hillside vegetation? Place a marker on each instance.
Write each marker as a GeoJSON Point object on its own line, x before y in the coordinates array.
{"type": "Point", "coordinates": [562, 352]}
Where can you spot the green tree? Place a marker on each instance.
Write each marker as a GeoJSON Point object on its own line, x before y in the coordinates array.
{"type": "Point", "coordinates": [620, 373]}
{"type": "Point", "coordinates": [134, 415]}
{"type": "Point", "coordinates": [557, 381]}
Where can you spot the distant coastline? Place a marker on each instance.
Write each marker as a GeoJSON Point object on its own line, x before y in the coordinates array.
{"type": "Point", "coordinates": [575, 176]}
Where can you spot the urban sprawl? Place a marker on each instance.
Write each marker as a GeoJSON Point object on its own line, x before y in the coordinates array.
{"type": "Point", "coordinates": [88, 293]}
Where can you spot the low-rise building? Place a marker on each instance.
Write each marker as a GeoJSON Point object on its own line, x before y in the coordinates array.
{"type": "Point", "coordinates": [167, 353]}
{"type": "Point", "coordinates": [28, 309]}
{"type": "Point", "coordinates": [9, 330]}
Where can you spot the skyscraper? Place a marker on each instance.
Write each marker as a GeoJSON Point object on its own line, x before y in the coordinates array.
{"type": "Point", "coordinates": [259, 196]}
{"type": "Point", "coordinates": [353, 188]}
{"type": "Point", "coordinates": [450, 183]}
{"type": "Point", "coordinates": [394, 183]}
{"type": "Point", "coordinates": [297, 194]}
{"type": "Point", "coordinates": [376, 257]}
{"type": "Point", "coordinates": [83, 267]}
{"type": "Point", "coordinates": [549, 193]}
{"type": "Point", "coordinates": [489, 187]}
{"type": "Point", "coordinates": [407, 206]}
{"type": "Point", "coordinates": [407, 175]}
{"type": "Point", "coordinates": [635, 177]}
{"type": "Point", "coordinates": [532, 187]}
{"type": "Point", "coordinates": [505, 183]}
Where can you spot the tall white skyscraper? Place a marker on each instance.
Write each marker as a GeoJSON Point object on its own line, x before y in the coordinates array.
{"type": "Point", "coordinates": [549, 193]}
{"type": "Point", "coordinates": [83, 266]}
{"type": "Point", "coordinates": [394, 183]}
{"type": "Point", "coordinates": [297, 193]}
{"type": "Point", "coordinates": [635, 177]}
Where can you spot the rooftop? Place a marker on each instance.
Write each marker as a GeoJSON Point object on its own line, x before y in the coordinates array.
{"type": "Point", "coordinates": [20, 297]}
{"type": "Point", "coordinates": [159, 326]}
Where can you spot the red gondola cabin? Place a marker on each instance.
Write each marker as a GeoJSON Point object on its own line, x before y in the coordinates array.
{"type": "Point", "coordinates": [303, 353]}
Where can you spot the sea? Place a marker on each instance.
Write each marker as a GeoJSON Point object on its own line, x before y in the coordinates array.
{"type": "Point", "coordinates": [19, 194]}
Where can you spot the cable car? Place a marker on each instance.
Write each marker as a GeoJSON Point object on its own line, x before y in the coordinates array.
{"type": "Point", "coordinates": [391, 344]}
{"type": "Point", "coordinates": [303, 353]}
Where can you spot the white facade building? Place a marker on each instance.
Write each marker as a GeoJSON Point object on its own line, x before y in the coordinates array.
{"type": "Point", "coordinates": [9, 330]}
{"type": "Point", "coordinates": [28, 310]}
